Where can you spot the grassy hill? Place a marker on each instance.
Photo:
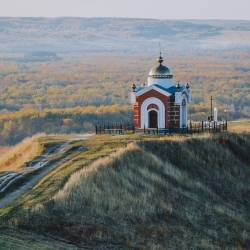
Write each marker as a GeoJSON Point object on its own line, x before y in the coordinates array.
{"type": "Point", "coordinates": [141, 192]}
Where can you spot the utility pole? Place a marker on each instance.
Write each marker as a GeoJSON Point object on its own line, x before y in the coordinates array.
{"type": "Point", "coordinates": [211, 117]}
{"type": "Point", "coordinates": [225, 111]}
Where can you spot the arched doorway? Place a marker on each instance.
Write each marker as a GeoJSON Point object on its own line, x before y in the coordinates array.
{"type": "Point", "coordinates": [146, 108]}
{"type": "Point", "coordinates": [152, 119]}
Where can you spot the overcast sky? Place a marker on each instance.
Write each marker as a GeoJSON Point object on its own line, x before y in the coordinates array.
{"type": "Point", "coordinates": [160, 9]}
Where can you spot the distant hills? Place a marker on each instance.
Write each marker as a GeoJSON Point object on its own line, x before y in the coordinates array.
{"type": "Point", "coordinates": [118, 34]}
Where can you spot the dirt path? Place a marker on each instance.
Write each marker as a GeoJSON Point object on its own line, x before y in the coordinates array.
{"type": "Point", "coordinates": [49, 167]}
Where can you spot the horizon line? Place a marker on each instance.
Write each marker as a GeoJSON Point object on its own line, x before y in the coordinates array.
{"type": "Point", "coordinates": [175, 19]}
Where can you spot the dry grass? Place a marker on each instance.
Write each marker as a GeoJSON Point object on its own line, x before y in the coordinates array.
{"type": "Point", "coordinates": [4, 149]}
{"type": "Point", "coordinates": [165, 193]}
{"type": "Point", "coordinates": [239, 127]}
{"type": "Point", "coordinates": [16, 157]}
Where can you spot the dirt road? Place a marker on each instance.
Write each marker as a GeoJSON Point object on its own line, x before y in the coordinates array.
{"type": "Point", "coordinates": [45, 163]}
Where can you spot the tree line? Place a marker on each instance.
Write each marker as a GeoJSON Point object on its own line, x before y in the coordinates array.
{"type": "Point", "coordinates": [18, 125]}
{"type": "Point", "coordinates": [105, 79]}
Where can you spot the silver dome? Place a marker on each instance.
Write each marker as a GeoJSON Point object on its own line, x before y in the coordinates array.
{"type": "Point", "coordinates": [160, 71]}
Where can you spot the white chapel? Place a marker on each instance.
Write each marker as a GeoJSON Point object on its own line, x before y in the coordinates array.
{"type": "Point", "coordinates": [160, 104]}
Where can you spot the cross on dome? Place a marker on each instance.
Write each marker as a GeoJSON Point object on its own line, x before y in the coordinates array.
{"type": "Point", "coordinates": [160, 59]}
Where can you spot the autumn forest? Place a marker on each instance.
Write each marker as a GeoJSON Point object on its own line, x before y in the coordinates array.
{"type": "Point", "coordinates": [69, 92]}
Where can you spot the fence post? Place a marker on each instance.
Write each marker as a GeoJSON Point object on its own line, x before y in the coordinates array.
{"type": "Point", "coordinates": [144, 129]}
{"type": "Point", "coordinates": [157, 130]}
{"type": "Point", "coordinates": [96, 129]}
{"type": "Point", "coordinates": [202, 126]}
{"type": "Point", "coordinates": [214, 127]}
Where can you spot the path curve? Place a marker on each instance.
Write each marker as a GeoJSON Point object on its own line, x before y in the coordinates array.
{"type": "Point", "coordinates": [29, 184]}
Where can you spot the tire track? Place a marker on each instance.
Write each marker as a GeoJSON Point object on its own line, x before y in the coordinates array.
{"type": "Point", "coordinates": [46, 168]}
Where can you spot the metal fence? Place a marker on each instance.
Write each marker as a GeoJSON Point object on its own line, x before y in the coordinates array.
{"type": "Point", "coordinates": [110, 128]}
{"type": "Point", "coordinates": [196, 127]}
{"type": "Point", "coordinates": [193, 127]}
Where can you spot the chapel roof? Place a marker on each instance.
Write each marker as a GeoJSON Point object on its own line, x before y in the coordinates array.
{"type": "Point", "coordinates": [171, 90]}
{"type": "Point", "coordinates": [160, 71]}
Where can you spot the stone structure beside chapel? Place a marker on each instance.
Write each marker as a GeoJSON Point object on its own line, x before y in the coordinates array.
{"type": "Point", "coordinates": [160, 104]}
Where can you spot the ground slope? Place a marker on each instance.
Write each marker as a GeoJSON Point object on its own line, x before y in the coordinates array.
{"type": "Point", "coordinates": [151, 192]}
{"type": "Point", "coordinates": [20, 174]}
{"type": "Point", "coordinates": [155, 193]}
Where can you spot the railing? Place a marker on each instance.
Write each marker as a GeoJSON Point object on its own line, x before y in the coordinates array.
{"type": "Point", "coordinates": [196, 127]}
{"type": "Point", "coordinates": [110, 128]}
{"type": "Point", "coordinates": [193, 127]}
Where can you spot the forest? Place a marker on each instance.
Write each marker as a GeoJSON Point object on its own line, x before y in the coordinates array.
{"type": "Point", "coordinates": [16, 126]}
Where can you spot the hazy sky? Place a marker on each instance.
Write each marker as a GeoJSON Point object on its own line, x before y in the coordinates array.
{"type": "Point", "coordinates": [160, 9]}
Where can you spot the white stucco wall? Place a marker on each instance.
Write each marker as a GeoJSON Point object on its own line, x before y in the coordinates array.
{"type": "Point", "coordinates": [165, 82]}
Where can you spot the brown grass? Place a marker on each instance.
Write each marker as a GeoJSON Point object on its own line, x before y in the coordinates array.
{"type": "Point", "coordinates": [16, 157]}
{"type": "Point", "coordinates": [4, 149]}
{"type": "Point", "coordinates": [239, 127]}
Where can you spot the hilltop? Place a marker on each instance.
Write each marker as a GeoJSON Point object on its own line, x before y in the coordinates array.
{"type": "Point", "coordinates": [140, 192]}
